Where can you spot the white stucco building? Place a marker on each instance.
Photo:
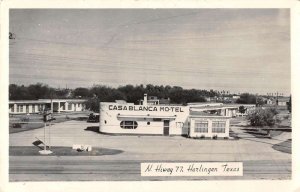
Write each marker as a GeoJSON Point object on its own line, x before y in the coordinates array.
{"type": "Point", "coordinates": [231, 110]}
{"type": "Point", "coordinates": [125, 118]}
{"type": "Point", "coordinates": [55, 105]}
{"type": "Point", "coordinates": [283, 101]}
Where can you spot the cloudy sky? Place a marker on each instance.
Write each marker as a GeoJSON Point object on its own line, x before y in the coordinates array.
{"type": "Point", "coordinates": [241, 50]}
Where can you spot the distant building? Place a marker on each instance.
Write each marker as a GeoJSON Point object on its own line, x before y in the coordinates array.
{"type": "Point", "coordinates": [37, 106]}
{"type": "Point", "coordinates": [270, 101]}
{"type": "Point", "coordinates": [230, 110]}
{"type": "Point", "coordinates": [236, 97]}
{"type": "Point", "coordinates": [153, 100]}
{"type": "Point", "coordinates": [282, 101]}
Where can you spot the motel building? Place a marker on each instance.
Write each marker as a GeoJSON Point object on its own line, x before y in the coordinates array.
{"type": "Point", "coordinates": [192, 120]}
{"type": "Point", "coordinates": [231, 110]}
{"type": "Point", "coordinates": [37, 106]}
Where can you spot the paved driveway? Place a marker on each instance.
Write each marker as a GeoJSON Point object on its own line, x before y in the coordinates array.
{"type": "Point", "coordinates": [260, 160]}
{"type": "Point", "coordinates": [246, 148]}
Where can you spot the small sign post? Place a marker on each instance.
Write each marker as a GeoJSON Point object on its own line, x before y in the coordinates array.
{"type": "Point", "coordinates": [47, 117]}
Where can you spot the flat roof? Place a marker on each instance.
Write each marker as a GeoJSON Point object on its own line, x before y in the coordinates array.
{"type": "Point", "coordinates": [149, 116]}
{"type": "Point", "coordinates": [43, 101]}
{"type": "Point", "coordinates": [215, 116]}
{"type": "Point", "coordinates": [202, 113]}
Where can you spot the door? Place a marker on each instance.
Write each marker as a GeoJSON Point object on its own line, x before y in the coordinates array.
{"type": "Point", "coordinates": [166, 127]}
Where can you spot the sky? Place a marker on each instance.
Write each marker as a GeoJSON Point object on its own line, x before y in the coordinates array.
{"type": "Point", "coordinates": [239, 50]}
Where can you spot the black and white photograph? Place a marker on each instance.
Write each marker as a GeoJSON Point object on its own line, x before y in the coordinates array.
{"type": "Point", "coordinates": [149, 94]}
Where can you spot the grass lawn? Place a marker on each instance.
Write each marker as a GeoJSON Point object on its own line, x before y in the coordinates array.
{"type": "Point", "coordinates": [19, 123]}
{"type": "Point", "coordinates": [259, 133]}
{"type": "Point", "coordinates": [60, 151]}
{"type": "Point", "coordinates": [24, 126]}
{"type": "Point", "coordinates": [285, 146]}
{"type": "Point", "coordinates": [237, 120]}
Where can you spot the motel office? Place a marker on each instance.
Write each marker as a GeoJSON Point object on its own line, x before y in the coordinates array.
{"type": "Point", "coordinates": [192, 120]}
{"type": "Point", "coordinates": [37, 106]}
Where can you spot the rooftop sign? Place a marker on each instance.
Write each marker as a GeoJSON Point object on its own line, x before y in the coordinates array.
{"type": "Point", "coordinates": [176, 109]}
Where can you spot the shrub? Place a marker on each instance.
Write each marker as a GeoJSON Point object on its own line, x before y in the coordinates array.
{"type": "Point", "coordinates": [25, 119]}
{"type": "Point", "coordinates": [242, 109]}
{"type": "Point", "coordinates": [16, 125]}
{"type": "Point", "coordinates": [263, 117]}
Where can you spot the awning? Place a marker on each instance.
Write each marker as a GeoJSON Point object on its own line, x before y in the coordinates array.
{"type": "Point", "coordinates": [210, 108]}
{"type": "Point", "coordinates": [147, 116]}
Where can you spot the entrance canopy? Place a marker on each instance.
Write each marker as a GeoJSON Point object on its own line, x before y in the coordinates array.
{"type": "Point", "coordinates": [147, 116]}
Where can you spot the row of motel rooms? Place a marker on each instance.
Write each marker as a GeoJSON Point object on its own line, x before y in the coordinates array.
{"type": "Point", "coordinates": [36, 106]}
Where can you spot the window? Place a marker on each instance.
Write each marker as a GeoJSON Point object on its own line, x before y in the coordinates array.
{"type": "Point", "coordinates": [33, 108]}
{"type": "Point", "coordinates": [128, 124]}
{"type": "Point", "coordinates": [27, 108]}
{"type": "Point", "coordinates": [201, 126]}
{"type": "Point", "coordinates": [21, 108]}
{"type": "Point", "coordinates": [218, 126]}
{"type": "Point", "coordinates": [156, 119]}
{"type": "Point", "coordinates": [148, 123]}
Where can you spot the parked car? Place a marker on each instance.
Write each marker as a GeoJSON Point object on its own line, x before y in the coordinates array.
{"type": "Point", "coordinates": [94, 117]}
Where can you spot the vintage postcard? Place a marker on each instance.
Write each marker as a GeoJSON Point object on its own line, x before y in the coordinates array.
{"type": "Point", "coordinates": [147, 93]}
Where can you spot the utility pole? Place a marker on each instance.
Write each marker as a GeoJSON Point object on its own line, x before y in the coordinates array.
{"type": "Point", "coordinates": [51, 95]}
{"type": "Point", "coordinates": [256, 100]}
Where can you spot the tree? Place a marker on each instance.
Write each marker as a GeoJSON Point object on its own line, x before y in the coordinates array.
{"type": "Point", "coordinates": [93, 104]}
{"type": "Point", "coordinates": [17, 92]}
{"type": "Point", "coordinates": [33, 91]}
{"type": "Point", "coordinates": [246, 98]}
{"type": "Point", "coordinates": [61, 93]}
{"type": "Point", "coordinates": [102, 94]}
{"type": "Point", "coordinates": [132, 93]}
{"type": "Point", "coordinates": [242, 109]}
{"type": "Point", "coordinates": [260, 101]}
{"type": "Point", "coordinates": [263, 117]}
{"type": "Point", "coordinates": [39, 91]}
{"type": "Point", "coordinates": [289, 104]}
{"type": "Point", "coordinates": [81, 92]}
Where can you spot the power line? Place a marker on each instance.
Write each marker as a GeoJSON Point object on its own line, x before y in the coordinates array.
{"type": "Point", "coordinates": [134, 65]}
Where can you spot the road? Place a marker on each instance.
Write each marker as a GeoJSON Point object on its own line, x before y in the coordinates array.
{"type": "Point", "coordinates": [93, 169]}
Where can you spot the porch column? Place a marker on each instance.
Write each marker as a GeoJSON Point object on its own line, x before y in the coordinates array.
{"type": "Point", "coordinates": [51, 106]}
{"type": "Point", "coordinates": [15, 108]}
{"type": "Point", "coordinates": [58, 107]}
